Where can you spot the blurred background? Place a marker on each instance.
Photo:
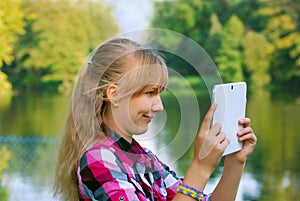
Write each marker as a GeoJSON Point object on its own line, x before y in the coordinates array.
{"type": "Point", "coordinates": [44, 43]}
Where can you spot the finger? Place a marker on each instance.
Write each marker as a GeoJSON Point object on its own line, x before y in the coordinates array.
{"type": "Point", "coordinates": [216, 129]}
{"type": "Point", "coordinates": [222, 146]}
{"type": "Point", "coordinates": [245, 131]}
{"type": "Point", "coordinates": [221, 137]}
{"type": "Point", "coordinates": [225, 143]}
{"type": "Point", "coordinates": [248, 137]}
{"type": "Point", "coordinates": [208, 117]}
{"type": "Point", "coordinates": [213, 144]}
{"type": "Point", "coordinates": [245, 121]}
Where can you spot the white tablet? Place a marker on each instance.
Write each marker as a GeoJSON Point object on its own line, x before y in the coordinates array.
{"type": "Point", "coordinates": [231, 106]}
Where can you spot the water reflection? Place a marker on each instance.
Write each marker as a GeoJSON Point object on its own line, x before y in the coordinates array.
{"type": "Point", "coordinates": [34, 113]}
{"type": "Point", "coordinates": [5, 101]}
{"type": "Point", "coordinates": [276, 159]}
{"type": "Point", "coordinates": [272, 172]}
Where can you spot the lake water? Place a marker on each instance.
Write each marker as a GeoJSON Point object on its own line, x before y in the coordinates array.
{"type": "Point", "coordinates": [31, 123]}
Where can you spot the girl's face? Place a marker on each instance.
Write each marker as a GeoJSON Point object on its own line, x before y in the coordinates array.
{"type": "Point", "coordinates": [132, 115]}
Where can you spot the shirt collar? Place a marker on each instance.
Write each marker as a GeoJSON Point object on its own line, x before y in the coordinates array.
{"type": "Point", "coordinates": [133, 147]}
{"type": "Point", "coordinates": [134, 151]}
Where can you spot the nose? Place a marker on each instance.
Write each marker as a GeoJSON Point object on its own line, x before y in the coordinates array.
{"type": "Point", "coordinates": [157, 105]}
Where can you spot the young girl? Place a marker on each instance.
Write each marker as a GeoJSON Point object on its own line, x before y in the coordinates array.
{"type": "Point", "coordinates": [116, 96]}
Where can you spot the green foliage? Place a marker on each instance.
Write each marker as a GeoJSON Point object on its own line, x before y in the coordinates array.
{"type": "Point", "coordinates": [214, 38]}
{"type": "Point", "coordinates": [59, 37]}
{"type": "Point", "coordinates": [5, 90]}
{"type": "Point", "coordinates": [11, 24]}
{"type": "Point", "coordinates": [186, 86]}
{"type": "Point", "coordinates": [257, 40]}
{"type": "Point", "coordinates": [187, 17]}
{"type": "Point", "coordinates": [282, 31]}
{"type": "Point", "coordinates": [257, 57]}
{"type": "Point", "coordinates": [230, 60]}
{"type": "Point", "coordinates": [5, 86]}
{"type": "Point", "coordinates": [5, 156]}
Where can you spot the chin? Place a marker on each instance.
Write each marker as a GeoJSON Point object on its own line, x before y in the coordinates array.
{"type": "Point", "coordinates": [139, 130]}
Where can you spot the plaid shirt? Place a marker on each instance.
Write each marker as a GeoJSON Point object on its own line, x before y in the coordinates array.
{"type": "Point", "coordinates": [115, 169]}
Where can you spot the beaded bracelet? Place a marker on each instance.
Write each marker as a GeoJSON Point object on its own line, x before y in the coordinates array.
{"type": "Point", "coordinates": [190, 191]}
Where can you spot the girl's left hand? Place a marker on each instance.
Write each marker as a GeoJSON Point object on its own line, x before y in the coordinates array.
{"type": "Point", "coordinates": [247, 136]}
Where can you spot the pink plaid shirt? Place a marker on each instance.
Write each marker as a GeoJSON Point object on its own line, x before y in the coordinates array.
{"type": "Point", "coordinates": [115, 169]}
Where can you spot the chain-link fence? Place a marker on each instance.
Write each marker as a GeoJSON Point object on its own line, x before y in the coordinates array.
{"type": "Point", "coordinates": [29, 172]}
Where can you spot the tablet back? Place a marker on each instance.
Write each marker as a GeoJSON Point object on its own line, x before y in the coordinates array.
{"type": "Point", "coordinates": [231, 101]}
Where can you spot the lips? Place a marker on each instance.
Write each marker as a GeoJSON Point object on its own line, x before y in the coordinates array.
{"type": "Point", "coordinates": [148, 117]}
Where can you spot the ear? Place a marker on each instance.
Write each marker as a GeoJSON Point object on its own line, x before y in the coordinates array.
{"type": "Point", "coordinates": [112, 94]}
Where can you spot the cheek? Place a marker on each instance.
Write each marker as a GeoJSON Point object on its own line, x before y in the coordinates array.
{"type": "Point", "coordinates": [123, 110]}
{"type": "Point", "coordinates": [133, 110]}
{"type": "Point", "coordinates": [137, 106]}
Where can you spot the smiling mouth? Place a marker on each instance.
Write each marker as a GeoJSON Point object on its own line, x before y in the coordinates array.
{"type": "Point", "coordinates": [148, 118]}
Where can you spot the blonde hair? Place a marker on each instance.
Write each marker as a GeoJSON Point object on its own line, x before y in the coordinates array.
{"type": "Point", "coordinates": [120, 61]}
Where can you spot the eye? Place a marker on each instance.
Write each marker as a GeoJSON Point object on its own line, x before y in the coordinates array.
{"type": "Point", "coordinates": [151, 93]}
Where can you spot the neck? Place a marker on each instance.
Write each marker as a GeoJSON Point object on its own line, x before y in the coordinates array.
{"type": "Point", "coordinates": [127, 137]}
{"type": "Point", "coordinates": [113, 126]}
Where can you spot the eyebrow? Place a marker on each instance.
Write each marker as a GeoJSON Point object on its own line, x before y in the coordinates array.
{"type": "Point", "coordinates": [159, 89]}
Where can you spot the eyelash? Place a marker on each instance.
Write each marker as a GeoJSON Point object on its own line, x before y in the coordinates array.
{"type": "Point", "coordinates": [151, 92]}
{"type": "Point", "coordinates": [154, 91]}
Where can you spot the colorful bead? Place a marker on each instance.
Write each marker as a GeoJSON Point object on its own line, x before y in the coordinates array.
{"type": "Point", "coordinates": [190, 191]}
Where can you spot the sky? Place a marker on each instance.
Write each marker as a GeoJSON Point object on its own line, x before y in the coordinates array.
{"type": "Point", "coordinates": [132, 14]}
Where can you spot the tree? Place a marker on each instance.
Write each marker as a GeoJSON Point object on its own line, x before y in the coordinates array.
{"type": "Point", "coordinates": [282, 31]}
{"type": "Point", "coordinates": [214, 37]}
{"type": "Point", "coordinates": [201, 21]}
{"type": "Point", "coordinates": [257, 55]}
{"type": "Point", "coordinates": [59, 37]}
{"type": "Point", "coordinates": [207, 23]}
{"type": "Point", "coordinates": [230, 57]}
{"type": "Point", "coordinates": [187, 17]}
{"type": "Point", "coordinates": [11, 24]}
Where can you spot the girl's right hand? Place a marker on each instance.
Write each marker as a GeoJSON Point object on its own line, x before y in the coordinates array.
{"type": "Point", "coordinates": [210, 143]}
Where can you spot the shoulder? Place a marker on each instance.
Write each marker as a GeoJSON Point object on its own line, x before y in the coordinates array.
{"type": "Point", "coordinates": [148, 151]}
{"type": "Point", "coordinates": [98, 153]}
